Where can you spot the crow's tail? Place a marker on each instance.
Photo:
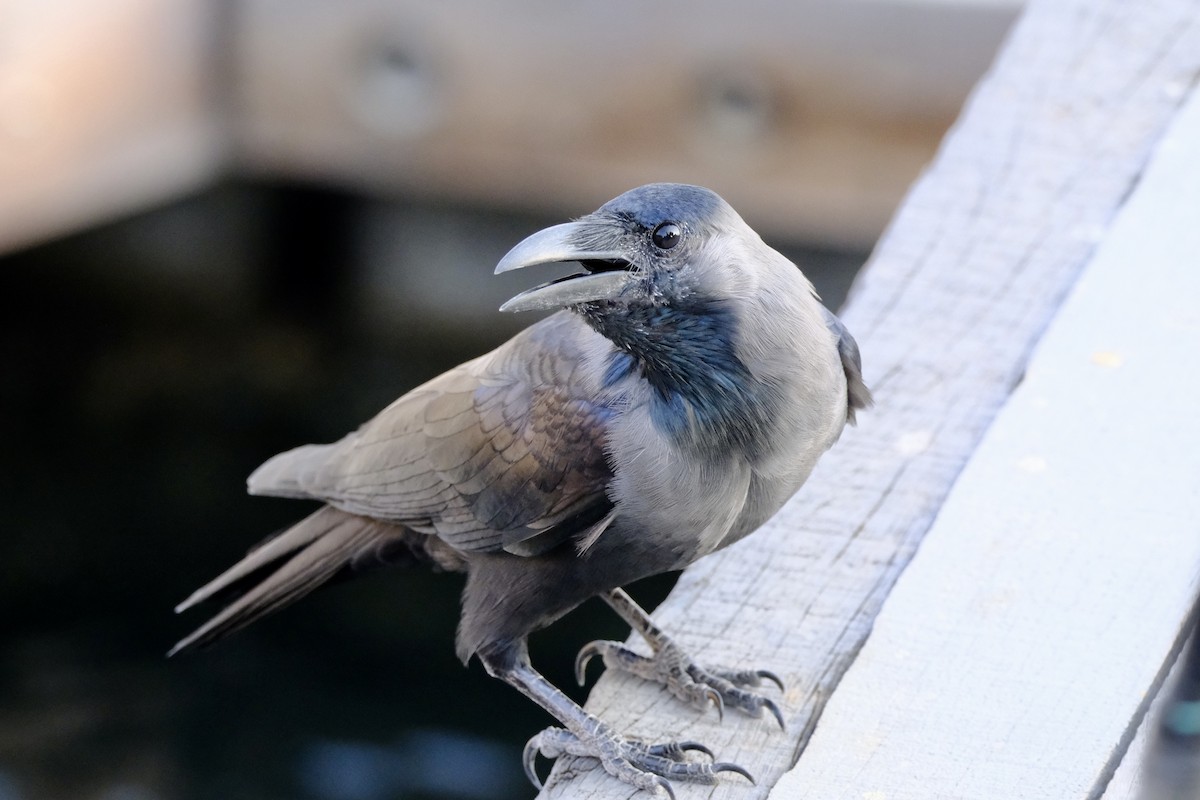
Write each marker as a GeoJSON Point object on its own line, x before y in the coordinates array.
{"type": "Point", "coordinates": [302, 558]}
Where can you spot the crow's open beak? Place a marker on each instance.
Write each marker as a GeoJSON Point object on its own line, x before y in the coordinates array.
{"type": "Point", "coordinates": [607, 275]}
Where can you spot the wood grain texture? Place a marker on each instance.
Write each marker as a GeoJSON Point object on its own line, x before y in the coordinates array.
{"type": "Point", "coordinates": [960, 289]}
{"type": "Point", "coordinates": [1019, 651]}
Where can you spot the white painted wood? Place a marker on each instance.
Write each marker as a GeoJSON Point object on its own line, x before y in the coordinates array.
{"type": "Point", "coordinates": [973, 268]}
{"type": "Point", "coordinates": [105, 107]}
{"type": "Point", "coordinates": [1014, 656]}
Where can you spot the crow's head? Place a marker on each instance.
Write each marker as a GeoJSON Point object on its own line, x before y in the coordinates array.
{"type": "Point", "coordinates": [664, 244]}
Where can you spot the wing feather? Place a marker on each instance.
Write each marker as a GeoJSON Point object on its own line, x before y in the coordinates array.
{"type": "Point", "coordinates": [506, 448]}
{"type": "Point", "coordinates": [858, 396]}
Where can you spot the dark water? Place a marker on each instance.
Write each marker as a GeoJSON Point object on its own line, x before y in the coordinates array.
{"type": "Point", "coordinates": [149, 367]}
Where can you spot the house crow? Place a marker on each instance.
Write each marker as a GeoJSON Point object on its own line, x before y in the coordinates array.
{"type": "Point", "coordinates": [683, 391]}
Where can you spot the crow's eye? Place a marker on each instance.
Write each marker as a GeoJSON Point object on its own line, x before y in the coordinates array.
{"type": "Point", "coordinates": [667, 235]}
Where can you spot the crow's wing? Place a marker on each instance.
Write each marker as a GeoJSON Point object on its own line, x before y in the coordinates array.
{"type": "Point", "coordinates": [506, 452]}
{"type": "Point", "coordinates": [858, 396]}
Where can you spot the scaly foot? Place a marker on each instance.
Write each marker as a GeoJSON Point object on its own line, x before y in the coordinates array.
{"type": "Point", "coordinates": [645, 766]}
{"type": "Point", "coordinates": [675, 669]}
{"type": "Point", "coordinates": [685, 679]}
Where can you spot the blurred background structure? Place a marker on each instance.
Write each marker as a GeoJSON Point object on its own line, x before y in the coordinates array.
{"type": "Point", "coordinates": [230, 228]}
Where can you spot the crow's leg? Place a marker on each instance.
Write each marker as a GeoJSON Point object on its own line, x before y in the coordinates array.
{"type": "Point", "coordinates": [674, 668]}
{"type": "Point", "coordinates": [640, 764]}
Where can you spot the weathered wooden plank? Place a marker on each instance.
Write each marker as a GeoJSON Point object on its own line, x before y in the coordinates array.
{"type": "Point", "coordinates": [973, 268]}
{"type": "Point", "coordinates": [813, 116]}
{"type": "Point", "coordinates": [1017, 653]}
{"type": "Point", "coordinates": [104, 107]}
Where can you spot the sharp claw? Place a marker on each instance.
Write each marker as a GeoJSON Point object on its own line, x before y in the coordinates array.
{"type": "Point", "coordinates": [697, 748]}
{"type": "Point", "coordinates": [774, 709]}
{"type": "Point", "coordinates": [528, 759]}
{"type": "Point", "coordinates": [676, 751]}
{"type": "Point", "coordinates": [725, 766]}
{"type": "Point", "coordinates": [581, 661]}
{"type": "Point", "coordinates": [715, 696]}
{"type": "Point", "coordinates": [666, 784]}
{"type": "Point", "coordinates": [766, 674]}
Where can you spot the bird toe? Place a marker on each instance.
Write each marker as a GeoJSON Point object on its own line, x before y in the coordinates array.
{"type": "Point", "coordinates": [646, 766]}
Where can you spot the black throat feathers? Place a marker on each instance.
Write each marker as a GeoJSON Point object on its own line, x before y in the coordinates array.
{"type": "Point", "coordinates": [704, 395]}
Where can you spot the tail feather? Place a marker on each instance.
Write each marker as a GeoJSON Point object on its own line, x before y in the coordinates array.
{"type": "Point", "coordinates": [320, 547]}
{"type": "Point", "coordinates": [274, 548]}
